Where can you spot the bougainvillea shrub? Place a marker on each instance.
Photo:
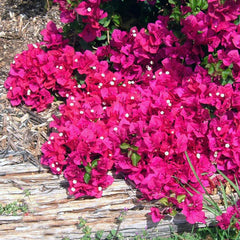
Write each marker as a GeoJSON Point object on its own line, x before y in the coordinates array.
{"type": "Point", "coordinates": [138, 95]}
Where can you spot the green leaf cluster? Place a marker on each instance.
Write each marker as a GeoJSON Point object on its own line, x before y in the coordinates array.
{"type": "Point", "coordinates": [218, 70]}
{"type": "Point", "coordinates": [198, 5]}
{"type": "Point", "coordinates": [88, 169]}
{"type": "Point", "coordinates": [13, 208]}
{"type": "Point", "coordinates": [131, 151]}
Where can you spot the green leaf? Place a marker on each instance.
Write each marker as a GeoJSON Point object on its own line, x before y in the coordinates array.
{"type": "Point", "coordinates": [94, 163]}
{"type": "Point", "coordinates": [174, 212]}
{"type": "Point", "coordinates": [87, 177]}
{"type": "Point", "coordinates": [99, 234]}
{"type": "Point", "coordinates": [237, 21]}
{"type": "Point", "coordinates": [135, 148]}
{"type": "Point", "coordinates": [194, 4]}
{"type": "Point", "coordinates": [124, 146]}
{"type": "Point", "coordinates": [88, 169]}
{"type": "Point", "coordinates": [105, 22]}
{"type": "Point", "coordinates": [180, 198]}
{"type": "Point", "coordinates": [205, 61]}
{"type": "Point", "coordinates": [171, 2]}
{"type": "Point", "coordinates": [113, 232]}
{"type": "Point", "coordinates": [164, 201]}
{"type": "Point", "coordinates": [204, 6]}
{"type": "Point", "coordinates": [103, 37]}
{"type": "Point", "coordinates": [135, 158]}
{"type": "Point", "coordinates": [116, 19]}
{"type": "Point", "coordinates": [211, 70]}
{"type": "Point", "coordinates": [176, 14]}
{"type": "Point", "coordinates": [82, 222]}
{"type": "Point", "coordinates": [218, 66]}
{"type": "Point", "coordinates": [226, 73]}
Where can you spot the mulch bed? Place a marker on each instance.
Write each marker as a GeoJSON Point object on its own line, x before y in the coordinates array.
{"type": "Point", "coordinates": [22, 132]}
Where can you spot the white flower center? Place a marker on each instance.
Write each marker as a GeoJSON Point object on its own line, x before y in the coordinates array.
{"type": "Point", "coordinates": [227, 145]}
{"type": "Point", "coordinates": [148, 68]}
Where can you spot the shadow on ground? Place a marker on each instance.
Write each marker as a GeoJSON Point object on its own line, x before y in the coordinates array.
{"type": "Point", "coordinates": [27, 8]}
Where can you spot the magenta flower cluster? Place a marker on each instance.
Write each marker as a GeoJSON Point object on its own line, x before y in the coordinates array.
{"type": "Point", "coordinates": [231, 218]}
{"type": "Point", "coordinates": [90, 13]}
{"type": "Point", "coordinates": [137, 104]}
